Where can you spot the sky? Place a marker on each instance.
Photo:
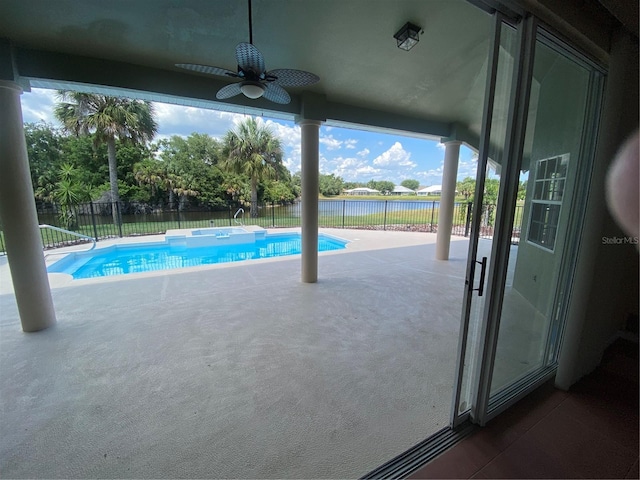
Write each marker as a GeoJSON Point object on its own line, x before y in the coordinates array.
{"type": "Point", "coordinates": [355, 155]}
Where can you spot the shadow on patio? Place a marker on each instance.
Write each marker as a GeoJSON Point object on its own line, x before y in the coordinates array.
{"type": "Point", "coordinates": [241, 371]}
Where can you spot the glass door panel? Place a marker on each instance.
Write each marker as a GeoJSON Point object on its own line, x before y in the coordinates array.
{"type": "Point", "coordinates": [490, 162]}
{"type": "Point", "coordinates": [551, 161]}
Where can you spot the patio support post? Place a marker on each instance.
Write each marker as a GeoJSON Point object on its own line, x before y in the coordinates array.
{"type": "Point", "coordinates": [19, 217]}
{"type": "Point", "coordinates": [447, 199]}
{"type": "Point", "coordinates": [310, 132]}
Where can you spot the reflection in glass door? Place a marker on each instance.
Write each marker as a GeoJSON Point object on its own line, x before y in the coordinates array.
{"type": "Point", "coordinates": [555, 157]}
{"type": "Point", "coordinates": [541, 152]}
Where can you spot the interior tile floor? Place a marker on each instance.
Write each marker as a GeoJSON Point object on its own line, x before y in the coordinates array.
{"type": "Point", "coordinates": [589, 432]}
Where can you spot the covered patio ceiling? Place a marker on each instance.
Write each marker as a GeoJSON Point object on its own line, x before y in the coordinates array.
{"type": "Point", "coordinates": [435, 90]}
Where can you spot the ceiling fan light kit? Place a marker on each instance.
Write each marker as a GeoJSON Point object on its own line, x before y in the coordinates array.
{"type": "Point", "coordinates": [408, 36]}
{"type": "Point", "coordinates": [252, 89]}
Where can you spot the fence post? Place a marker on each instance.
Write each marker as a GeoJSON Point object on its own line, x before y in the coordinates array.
{"type": "Point", "coordinates": [230, 221]}
{"type": "Point", "coordinates": [344, 206]}
{"type": "Point", "coordinates": [433, 211]}
{"type": "Point", "coordinates": [119, 219]}
{"type": "Point", "coordinates": [93, 221]}
{"type": "Point", "coordinates": [467, 223]}
{"type": "Point", "coordinates": [178, 214]}
{"type": "Point", "coordinates": [384, 223]}
{"type": "Point", "coordinates": [273, 213]}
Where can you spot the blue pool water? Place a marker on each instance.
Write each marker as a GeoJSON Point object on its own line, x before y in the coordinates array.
{"type": "Point", "coordinates": [126, 259]}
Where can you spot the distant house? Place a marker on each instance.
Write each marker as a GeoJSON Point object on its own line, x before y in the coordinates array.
{"type": "Point", "coordinates": [362, 191]}
{"type": "Point", "coordinates": [432, 190]}
{"type": "Point", "coordinates": [400, 190]}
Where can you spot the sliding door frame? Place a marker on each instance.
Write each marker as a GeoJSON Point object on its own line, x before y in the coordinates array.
{"type": "Point", "coordinates": [458, 418]}
{"type": "Point", "coordinates": [514, 145]}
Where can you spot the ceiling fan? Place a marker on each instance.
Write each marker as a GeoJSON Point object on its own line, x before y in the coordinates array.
{"type": "Point", "coordinates": [256, 81]}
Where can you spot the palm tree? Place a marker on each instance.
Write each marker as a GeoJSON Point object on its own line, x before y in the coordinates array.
{"type": "Point", "coordinates": [184, 187]}
{"type": "Point", "coordinates": [69, 191]}
{"type": "Point", "coordinates": [107, 118]}
{"type": "Point", "coordinates": [253, 150]}
{"type": "Point", "coordinates": [147, 173]}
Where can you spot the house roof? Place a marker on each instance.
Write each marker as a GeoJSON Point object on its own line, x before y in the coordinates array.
{"type": "Point", "coordinates": [362, 189]}
{"type": "Point", "coordinates": [402, 189]}
{"type": "Point", "coordinates": [431, 189]}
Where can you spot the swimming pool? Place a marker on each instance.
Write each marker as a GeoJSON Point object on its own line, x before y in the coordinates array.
{"type": "Point", "coordinates": [167, 255]}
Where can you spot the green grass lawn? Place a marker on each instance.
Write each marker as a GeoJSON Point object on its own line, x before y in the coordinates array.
{"type": "Point", "coordinates": [392, 217]}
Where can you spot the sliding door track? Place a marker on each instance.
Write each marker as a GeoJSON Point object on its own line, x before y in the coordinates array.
{"type": "Point", "coordinates": [408, 462]}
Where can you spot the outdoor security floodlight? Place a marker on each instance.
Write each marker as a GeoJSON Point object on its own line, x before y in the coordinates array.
{"type": "Point", "coordinates": [408, 36]}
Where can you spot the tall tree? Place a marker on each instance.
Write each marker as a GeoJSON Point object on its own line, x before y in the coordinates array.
{"type": "Point", "coordinates": [107, 118]}
{"type": "Point", "coordinates": [466, 187]}
{"type": "Point", "coordinates": [195, 161]}
{"type": "Point", "coordinates": [330, 185]}
{"type": "Point", "coordinates": [44, 149]}
{"type": "Point", "coordinates": [252, 149]}
{"type": "Point", "coordinates": [410, 183]}
{"type": "Point", "coordinates": [383, 186]}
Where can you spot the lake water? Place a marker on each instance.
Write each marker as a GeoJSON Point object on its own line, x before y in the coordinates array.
{"type": "Point", "coordinates": [326, 208]}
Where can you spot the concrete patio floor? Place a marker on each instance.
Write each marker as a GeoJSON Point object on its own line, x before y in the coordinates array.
{"type": "Point", "coordinates": [236, 370]}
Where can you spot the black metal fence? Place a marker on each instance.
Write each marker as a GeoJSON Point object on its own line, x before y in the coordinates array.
{"type": "Point", "coordinates": [95, 219]}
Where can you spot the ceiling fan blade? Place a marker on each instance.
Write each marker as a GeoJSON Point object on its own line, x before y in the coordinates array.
{"type": "Point", "coordinates": [250, 58]}
{"type": "Point", "coordinates": [288, 77]}
{"type": "Point", "coordinates": [276, 93]}
{"type": "Point", "coordinates": [207, 69]}
{"type": "Point", "coordinates": [229, 91]}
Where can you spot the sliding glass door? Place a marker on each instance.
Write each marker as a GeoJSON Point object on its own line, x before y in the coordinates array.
{"type": "Point", "coordinates": [539, 120]}
{"type": "Point", "coordinates": [491, 157]}
{"type": "Point", "coordinates": [553, 172]}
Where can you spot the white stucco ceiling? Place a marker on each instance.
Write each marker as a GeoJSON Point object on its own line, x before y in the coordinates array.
{"type": "Point", "coordinates": [348, 43]}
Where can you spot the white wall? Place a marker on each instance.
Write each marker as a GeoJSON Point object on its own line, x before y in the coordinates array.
{"type": "Point", "coordinates": [606, 280]}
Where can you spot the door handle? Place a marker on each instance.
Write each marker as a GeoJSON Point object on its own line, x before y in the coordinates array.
{"type": "Point", "coordinates": [483, 269]}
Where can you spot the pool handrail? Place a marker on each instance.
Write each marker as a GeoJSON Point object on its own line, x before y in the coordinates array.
{"type": "Point", "coordinates": [236, 220]}
{"type": "Point", "coordinates": [69, 232]}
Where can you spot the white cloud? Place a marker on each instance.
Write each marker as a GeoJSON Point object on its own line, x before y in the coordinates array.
{"type": "Point", "coordinates": [351, 143]}
{"type": "Point", "coordinates": [364, 152]}
{"type": "Point", "coordinates": [183, 121]}
{"type": "Point", "coordinates": [37, 106]}
{"type": "Point", "coordinates": [467, 168]}
{"type": "Point", "coordinates": [351, 168]}
{"type": "Point", "coordinates": [289, 135]}
{"type": "Point", "coordinates": [369, 170]}
{"type": "Point", "coordinates": [395, 156]}
{"type": "Point", "coordinates": [441, 146]}
{"type": "Point", "coordinates": [330, 142]}
{"type": "Point", "coordinates": [290, 139]}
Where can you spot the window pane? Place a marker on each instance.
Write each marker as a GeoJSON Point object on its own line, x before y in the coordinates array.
{"type": "Point", "coordinates": [539, 188]}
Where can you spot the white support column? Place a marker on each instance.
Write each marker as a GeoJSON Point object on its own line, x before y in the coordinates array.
{"type": "Point", "coordinates": [19, 218]}
{"type": "Point", "coordinates": [310, 132]}
{"type": "Point", "coordinates": [447, 199]}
